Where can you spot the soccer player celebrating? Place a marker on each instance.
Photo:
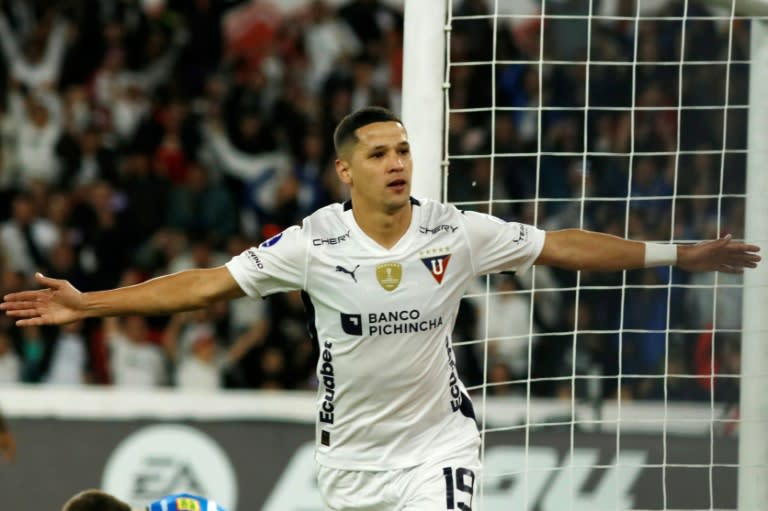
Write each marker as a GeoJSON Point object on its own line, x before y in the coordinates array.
{"type": "Point", "coordinates": [97, 500]}
{"type": "Point", "coordinates": [382, 275]}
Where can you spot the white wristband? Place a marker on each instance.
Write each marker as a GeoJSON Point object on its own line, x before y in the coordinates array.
{"type": "Point", "coordinates": [658, 254]}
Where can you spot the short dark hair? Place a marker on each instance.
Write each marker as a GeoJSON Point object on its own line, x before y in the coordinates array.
{"type": "Point", "coordinates": [345, 130]}
{"type": "Point", "coordinates": [95, 500]}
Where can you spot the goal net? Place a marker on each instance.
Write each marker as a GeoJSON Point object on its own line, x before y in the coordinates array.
{"type": "Point", "coordinates": [634, 390]}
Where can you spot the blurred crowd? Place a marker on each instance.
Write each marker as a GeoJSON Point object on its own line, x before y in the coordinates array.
{"type": "Point", "coordinates": [610, 146]}
{"type": "Point", "coordinates": [145, 137]}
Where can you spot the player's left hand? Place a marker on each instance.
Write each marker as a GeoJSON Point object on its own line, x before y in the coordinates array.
{"type": "Point", "coordinates": [721, 254]}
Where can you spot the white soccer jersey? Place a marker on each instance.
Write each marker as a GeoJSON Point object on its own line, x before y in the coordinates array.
{"type": "Point", "coordinates": [389, 396]}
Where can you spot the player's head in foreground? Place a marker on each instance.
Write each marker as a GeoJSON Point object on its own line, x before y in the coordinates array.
{"type": "Point", "coordinates": [97, 500]}
{"type": "Point", "coordinates": [374, 159]}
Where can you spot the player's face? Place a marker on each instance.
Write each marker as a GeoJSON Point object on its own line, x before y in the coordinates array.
{"type": "Point", "coordinates": [378, 167]}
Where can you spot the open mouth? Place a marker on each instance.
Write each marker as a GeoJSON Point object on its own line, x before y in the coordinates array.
{"type": "Point", "coordinates": [397, 183]}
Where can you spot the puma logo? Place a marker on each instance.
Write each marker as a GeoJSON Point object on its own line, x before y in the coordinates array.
{"type": "Point", "coordinates": [351, 273]}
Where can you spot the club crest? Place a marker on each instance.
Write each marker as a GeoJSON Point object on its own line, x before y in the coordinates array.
{"type": "Point", "coordinates": [437, 266]}
{"type": "Point", "coordinates": [389, 275]}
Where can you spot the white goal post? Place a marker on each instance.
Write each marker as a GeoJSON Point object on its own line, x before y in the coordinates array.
{"type": "Point", "coordinates": [753, 439]}
{"type": "Point", "coordinates": [423, 103]}
{"type": "Point", "coordinates": [425, 112]}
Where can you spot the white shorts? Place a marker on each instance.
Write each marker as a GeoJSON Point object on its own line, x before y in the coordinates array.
{"type": "Point", "coordinates": [442, 484]}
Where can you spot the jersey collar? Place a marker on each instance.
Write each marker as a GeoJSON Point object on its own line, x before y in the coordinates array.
{"type": "Point", "coordinates": [348, 203]}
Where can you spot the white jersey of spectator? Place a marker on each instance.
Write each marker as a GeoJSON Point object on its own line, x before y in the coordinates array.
{"type": "Point", "coordinates": [114, 79]}
{"type": "Point", "coordinates": [546, 294]}
{"type": "Point", "coordinates": [389, 394]}
{"type": "Point", "coordinates": [10, 362]}
{"type": "Point", "coordinates": [244, 313]}
{"type": "Point", "coordinates": [14, 248]}
{"type": "Point", "coordinates": [197, 375]}
{"type": "Point", "coordinates": [269, 169]}
{"type": "Point", "coordinates": [68, 361]}
{"type": "Point", "coordinates": [263, 172]}
{"type": "Point", "coordinates": [46, 70]}
{"type": "Point", "coordinates": [700, 297]}
{"type": "Point", "coordinates": [192, 370]}
{"type": "Point", "coordinates": [9, 170]}
{"type": "Point", "coordinates": [504, 317]}
{"type": "Point", "coordinates": [40, 127]}
{"type": "Point", "coordinates": [128, 110]}
{"type": "Point", "coordinates": [140, 365]}
{"type": "Point", "coordinates": [327, 40]}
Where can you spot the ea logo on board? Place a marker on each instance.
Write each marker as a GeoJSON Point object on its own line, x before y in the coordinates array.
{"type": "Point", "coordinates": [170, 458]}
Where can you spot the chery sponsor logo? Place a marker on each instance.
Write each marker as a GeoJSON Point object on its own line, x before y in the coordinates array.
{"type": "Point", "coordinates": [333, 240]}
{"type": "Point", "coordinates": [423, 229]}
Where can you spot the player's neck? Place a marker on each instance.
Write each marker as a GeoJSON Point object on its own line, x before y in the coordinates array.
{"type": "Point", "coordinates": [384, 227]}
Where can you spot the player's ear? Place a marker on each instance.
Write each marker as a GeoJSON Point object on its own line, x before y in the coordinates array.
{"type": "Point", "coordinates": [343, 170]}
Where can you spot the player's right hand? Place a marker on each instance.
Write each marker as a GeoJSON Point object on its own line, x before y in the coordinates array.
{"type": "Point", "coordinates": [58, 303]}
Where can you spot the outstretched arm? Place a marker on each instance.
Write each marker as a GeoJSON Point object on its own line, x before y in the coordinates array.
{"type": "Point", "coordinates": [576, 249]}
{"type": "Point", "coordinates": [60, 302]}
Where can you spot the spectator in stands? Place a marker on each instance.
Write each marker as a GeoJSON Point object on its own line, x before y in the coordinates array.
{"type": "Point", "coordinates": [200, 357]}
{"type": "Point", "coordinates": [10, 362]}
{"type": "Point", "coordinates": [25, 238]}
{"type": "Point", "coordinates": [328, 43]}
{"type": "Point", "coordinates": [371, 21]}
{"type": "Point", "coordinates": [200, 204]}
{"type": "Point", "coordinates": [136, 360]}
{"type": "Point", "coordinates": [105, 249]}
{"type": "Point", "coordinates": [369, 83]}
{"type": "Point", "coordinates": [256, 176]}
{"type": "Point", "coordinates": [77, 113]}
{"type": "Point", "coordinates": [199, 252]}
{"type": "Point", "coordinates": [127, 104]}
{"type": "Point", "coordinates": [505, 319]}
{"type": "Point", "coordinates": [649, 186]}
{"type": "Point", "coordinates": [85, 159]}
{"type": "Point", "coordinates": [579, 180]}
{"type": "Point", "coordinates": [38, 114]}
{"type": "Point", "coordinates": [286, 359]}
{"type": "Point", "coordinates": [170, 136]}
{"type": "Point", "coordinates": [35, 353]}
{"type": "Point", "coordinates": [69, 357]}
{"type": "Point", "coordinates": [36, 60]}
{"type": "Point", "coordinates": [643, 346]}
{"type": "Point", "coordinates": [129, 107]}
{"type": "Point", "coordinates": [158, 54]}
{"type": "Point", "coordinates": [58, 211]}
{"type": "Point", "coordinates": [147, 211]}
{"type": "Point", "coordinates": [309, 172]}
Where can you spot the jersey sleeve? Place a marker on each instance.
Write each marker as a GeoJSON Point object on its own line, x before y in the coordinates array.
{"type": "Point", "coordinates": [278, 264]}
{"type": "Point", "coordinates": [496, 245]}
